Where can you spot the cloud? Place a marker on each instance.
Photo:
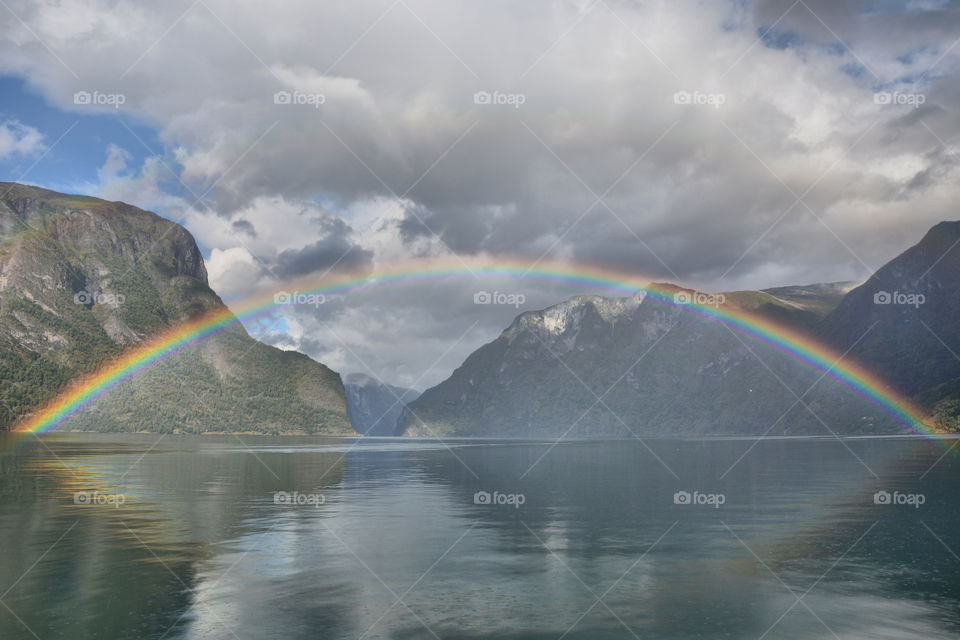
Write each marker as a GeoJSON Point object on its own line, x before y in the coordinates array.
{"type": "Point", "coordinates": [115, 164]}
{"type": "Point", "coordinates": [725, 144]}
{"type": "Point", "coordinates": [322, 255]}
{"type": "Point", "coordinates": [17, 139]}
{"type": "Point", "coordinates": [288, 240]}
{"type": "Point", "coordinates": [232, 271]}
{"type": "Point", "coordinates": [245, 227]}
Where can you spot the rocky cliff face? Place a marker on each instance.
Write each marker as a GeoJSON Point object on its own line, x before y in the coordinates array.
{"type": "Point", "coordinates": [81, 279]}
{"type": "Point", "coordinates": [594, 366]}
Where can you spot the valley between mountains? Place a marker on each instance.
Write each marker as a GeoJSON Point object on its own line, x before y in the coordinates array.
{"type": "Point", "coordinates": [82, 280]}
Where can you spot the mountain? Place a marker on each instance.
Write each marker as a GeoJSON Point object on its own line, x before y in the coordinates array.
{"type": "Point", "coordinates": [903, 322]}
{"type": "Point", "coordinates": [691, 375]}
{"type": "Point", "coordinates": [375, 407]}
{"type": "Point", "coordinates": [816, 299]}
{"type": "Point", "coordinates": [803, 307]}
{"type": "Point", "coordinates": [82, 279]}
{"type": "Point", "coordinates": [594, 366]}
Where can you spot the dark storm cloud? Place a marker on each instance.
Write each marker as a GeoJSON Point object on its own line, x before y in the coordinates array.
{"type": "Point", "coordinates": [503, 180]}
{"type": "Point", "coordinates": [245, 227]}
{"type": "Point", "coordinates": [800, 175]}
{"type": "Point", "coordinates": [334, 250]}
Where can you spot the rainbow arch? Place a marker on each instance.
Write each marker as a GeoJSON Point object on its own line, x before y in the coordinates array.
{"type": "Point", "coordinates": [91, 387]}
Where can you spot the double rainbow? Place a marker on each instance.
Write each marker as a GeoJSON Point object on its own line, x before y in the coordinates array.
{"type": "Point", "coordinates": [185, 335]}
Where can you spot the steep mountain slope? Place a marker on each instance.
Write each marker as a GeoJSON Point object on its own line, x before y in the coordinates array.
{"type": "Point", "coordinates": [903, 322]}
{"type": "Point", "coordinates": [375, 407]}
{"type": "Point", "coordinates": [82, 278]}
{"type": "Point", "coordinates": [691, 375]}
{"type": "Point", "coordinates": [595, 366]}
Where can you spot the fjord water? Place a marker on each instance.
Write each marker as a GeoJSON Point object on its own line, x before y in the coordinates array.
{"type": "Point", "coordinates": [182, 537]}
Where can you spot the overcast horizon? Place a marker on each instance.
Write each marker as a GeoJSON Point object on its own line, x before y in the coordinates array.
{"type": "Point", "coordinates": [723, 145]}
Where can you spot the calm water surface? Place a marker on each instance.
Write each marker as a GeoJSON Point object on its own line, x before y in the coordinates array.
{"type": "Point", "coordinates": [183, 537]}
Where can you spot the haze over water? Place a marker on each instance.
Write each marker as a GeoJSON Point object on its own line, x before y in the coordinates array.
{"type": "Point", "coordinates": [339, 538]}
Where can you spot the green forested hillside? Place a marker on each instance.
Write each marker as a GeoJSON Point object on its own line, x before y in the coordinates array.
{"type": "Point", "coordinates": [82, 279]}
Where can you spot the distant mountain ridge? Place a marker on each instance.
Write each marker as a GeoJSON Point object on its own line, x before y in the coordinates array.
{"type": "Point", "coordinates": [819, 299]}
{"type": "Point", "coordinates": [81, 279]}
{"type": "Point", "coordinates": [643, 368]}
{"type": "Point", "coordinates": [373, 406]}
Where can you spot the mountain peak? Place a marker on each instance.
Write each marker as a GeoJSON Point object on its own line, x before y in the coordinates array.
{"type": "Point", "coordinates": [903, 319]}
{"type": "Point", "coordinates": [948, 228]}
{"type": "Point", "coordinates": [566, 316]}
{"type": "Point", "coordinates": [92, 277]}
{"type": "Point", "coordinates": [939, 244]}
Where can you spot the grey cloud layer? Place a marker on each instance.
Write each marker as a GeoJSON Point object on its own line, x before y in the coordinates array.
{"type": "Point", "coordinates": [689, 191]}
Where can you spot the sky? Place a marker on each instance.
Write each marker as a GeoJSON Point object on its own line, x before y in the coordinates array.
{"type": "Point", "coordinates": [720, 144]}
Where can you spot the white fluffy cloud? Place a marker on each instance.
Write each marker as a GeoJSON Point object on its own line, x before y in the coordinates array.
{"type": "Point", "coordinates": [231, 271]}
{"type": "Point", "coordinates": [17, 139]}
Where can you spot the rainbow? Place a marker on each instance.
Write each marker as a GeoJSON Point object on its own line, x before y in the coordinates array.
{"type": "Point", "coordinates": [185, 335]}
